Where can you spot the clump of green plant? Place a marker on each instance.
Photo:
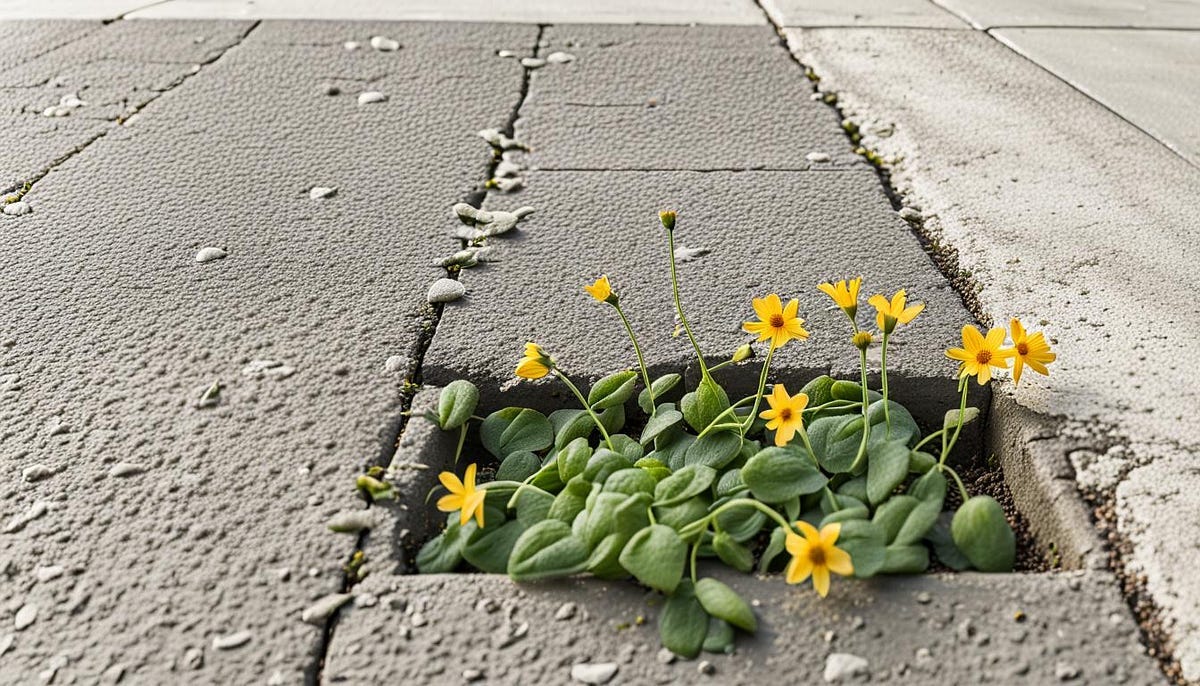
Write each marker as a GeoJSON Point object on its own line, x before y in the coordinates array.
{"type": "Point", "coordinates": [833, 480]}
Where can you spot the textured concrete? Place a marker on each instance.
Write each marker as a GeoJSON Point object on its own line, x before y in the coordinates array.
{"type": "Point", "coordinates": [70, 9]}
{"type": "Point", "coordinates": [768, 232]}
{"type": "Point", "coordinates": [958, 629]}
{"type": "Point", "coordinates": [23, 39]}
{"type": "Point", "coordinates": [1041, 208]}
{"type": "Point", "coordinates": [525, 11]}
{"type": "Point", "coordinates": [816, 13]}
{"type": "Point", "coordinates": [675, 98]}
{"type": "Point", "coordinates": [1141, 75]}
{"type": "Point", "coordinates": [923, 629]}
{"type": "Point", "coordinates": [112, 332]}
{"type": "Point", "coordinates": [1169, 14]}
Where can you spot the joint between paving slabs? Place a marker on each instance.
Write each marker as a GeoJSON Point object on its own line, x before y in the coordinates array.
{"type": "Point", "coordinates": [18, 191]}
{"type": "Point", "coordinates": [432, 314]}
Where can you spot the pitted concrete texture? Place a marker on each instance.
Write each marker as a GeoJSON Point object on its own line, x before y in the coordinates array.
{"type": "Point", "coordinates": [1041, 208]}
{"type": "Point", "coordinates": [664, 98]}
{"type": "Point", "coordinates": [26, 39]}
{"type": "Point", "coordinates": [524, 11]}
{"type": "Point", "coordinates": [70, 9]}
{"type": "Point", "coordinates": [781, 232]}
{"type": "Point", "coordinates": [817, 13]}
{"type": "Point", "coordinates": [1168, 14]}
{"type": "Point", "coordinates": [954, 629]}
{"type": "Point", "coordinates": [169, 543]}
{"type": "Point", "coordinates": [1135, 73]}
{"type": "Point", "coordinates": [112, 72]}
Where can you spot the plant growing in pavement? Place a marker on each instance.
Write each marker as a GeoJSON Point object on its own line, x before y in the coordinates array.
{"type": "Point", "coordinates": [837, 476]}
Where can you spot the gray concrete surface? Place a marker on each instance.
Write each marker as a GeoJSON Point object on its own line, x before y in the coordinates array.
{"type": "Point", "coordinates": [1169, 14]}
{"type": "Point", "coordinates": [817, 13]}
{"type": "Point", "coordinates": [525, 11]}
{"type": "Point", "coordinates": [112, 332]}
{"type": "Point", "coordinates": [1145, 76]}
{"type": "Point", "coordinates": [1039, 206]}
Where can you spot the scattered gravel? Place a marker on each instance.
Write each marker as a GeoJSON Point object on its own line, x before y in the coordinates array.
{"type": "Point", "coordinates": [36, 510]}
{"type": "Point", "coordinates": [193, 658]}
{"type": "Point", "coordinates": [665, 656]}
{"type": "Point", "coordinates": [36, 472]}
{"type": "Point", "coordinates": [688, 254]}
{"type": "Point", "coordinates": [817, 157]}
{"type": "Point", "coordinates": [126, 469]}
{"type": "Point", "coordinates": [508, 54]}
{"type": "Point", "coordinates": [261, 368]}
{"type": "Point", "coordinates": [371, 96]}
{"type": "Point", "coordinates": [48, 573]}
{"type": "Point", "coordinates": [351, 522]}
{"type": "Point", "coordinates": [231, 641]}
{"type": "Point", "coordinates": [352, 45]}
{"type": "Point", "coordinates": [560, 57]}
{"type": "Point", "coordinates": [566, 611]}
{"type": "Point", "coordinates": [318, 612]}
{"type": "Point", "coordinates": [532, 62]}
{"type": "Point", "coordinates": [594, 672]}
{"type": "Point", "coordinates": [395, 363]}
{"type": "Point", "coordinates": [18, 208]}
{"type": "Point", "coordinates": [706, 667]}
{"type": "Point", "coordinates": [384, 44]}
{"type": "Point", "coordinates": [445, 290]}
{"type": "Point", "coordinates": [321, 192]}
{"type": "Point", "coordinates": [26, 616]}
{"type": "Point", "coordinates": [844, 666]}
{"type": "Point", "coordinates": [210, 254]}
{"type": "Point", "coordinates": [909, 214]}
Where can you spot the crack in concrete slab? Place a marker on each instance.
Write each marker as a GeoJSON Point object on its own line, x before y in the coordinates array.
{"type": "Point", "coordinates": [23, 187]}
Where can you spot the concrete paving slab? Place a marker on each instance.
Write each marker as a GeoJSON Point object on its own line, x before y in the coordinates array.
{"type": "Point", "coordinates": [675, 98]}
{"type": "Point", "coordinates": [1169, 14]}
{"type": "Point", "coordinates": [70, 9]}
{"type": "Point", "coordinates": [1140, 75]}
{"type": "Point", "coordinates": [522, 11]}
{"type": "Point", "coordinates": [192, 538]}
{"type": "Point", "coordinates": [25, 39]}
{"type": "Point", "coordinates": [956, 629]}
{"type": "Point", "coordinates": [1041, 209]}
{"type": "Point", "coordinates": [768, 232]}
{"type": "Point", "coordinates": [816, 13]}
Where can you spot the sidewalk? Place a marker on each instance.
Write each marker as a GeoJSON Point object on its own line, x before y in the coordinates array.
{"type": "Point", "coordinates": [154, 535]}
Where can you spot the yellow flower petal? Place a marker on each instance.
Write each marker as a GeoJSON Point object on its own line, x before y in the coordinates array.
{"type": "Point", "coordinates": [451, 482]}
{"type": "Point", "coordinates": [839, 562]}
{"type": "Point", "coordinates": [829, 534]}
{"type": "Point", "coordinates": [799, 569]}
{"type": "Point", "coordinates": [810, 532]}
{"type": "Point", "coordinates": [820, 576]}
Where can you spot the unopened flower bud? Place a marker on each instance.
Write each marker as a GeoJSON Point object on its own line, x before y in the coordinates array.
{"type": "Point", "coordinates": [667, 217]}
{"type": "Point", "coordinates": [863, 340]}
{"type": "Point", "coordinates": [745, 352]}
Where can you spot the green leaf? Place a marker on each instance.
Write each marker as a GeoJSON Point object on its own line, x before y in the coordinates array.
{"type": "Point", "coordinates": [905, 559]}
{"type": "Point", "coordinates": [547, 550]}
{"type": "Point", "coordinates": [722, 602]}
{"type": "Point", "coordinates": [604, 562]}
{"type": "Point", "coordinates": [613, 419]}
{"type": "Point", "coordinates": [662, 385]}
{"type": "Point", "coordinates": [666, 417]}
{"type": "Point", "coordinates": [655, 556]}
{"type": "Point", "coordinates": [741, 523]}
{"type": "Point", "coordinates": [679, 516]}
{"type": "Point", "coordinates": [533, 506]}
{"type": "Point", "coordinates": [775, 546]}
{"type": "Point", "coordinates": [943, 544]}
{"type": "Point", "coordinates": [848, 390]}
{"type": "Point", "coordinates": [488, 548]}
{"type": "Point", "coordinates": [457, 403]}
{"type": "Point", "coordinates": [920, 461]}
{"type": "Point", "coordinates": [714, 450]}
{"type": "Point", "coordinates": [855, 488]}
{"type": "Point", "coordinates": [571, 500]}
{"type": "Point", "coordinates": [442, 553]}
{"type": "Point", "coordinates": [776, 475]}
{"type": "Point", "coordinates": [919, 522]}
{"type": "Point", "coordinates": [603, 463]}
{"type": "Point", "coordinates": [689, 481]}
{"type": "Point", "coordinates": [573, 459]}
{"type": "Point", "coordinates": [631, 449]}
{"type": "Point", "coordinates": [601, 517]}
{"type": "Point", "coordinates": [570, 425]}
{"type": "Point", "coordinates": [518, 466]}
{"type": "Point", "coordinates": [902, 421]}
{"type": "Point", "coordinates": [931, 487]}
{"type": "Point", "coordinates": [652, 466]}
{"type": "Point", "coordinates": [835, 440]}
{"type": "Point", "coordinates": [969, 415]}
{"type": "Point", "coordinates": [819, 390]}
{"type": "Point", "coordinates": [630, 481]}
{"type": "Point", "coordinates": [886, 467]}
{"type": "Point", "coordinates": [514, 429]}
{"type": "Point", "coordinates": [683, 623]}
{"type": "Point", "coordinates": [732, 552]}
{"type": "Point", "coordinates": [730, 483]}
{"type": "Point", "coordinates": [982, 533]}
{"type": "Point", "coordinates": [892, 514]}
{"type": "Point", "coordinates": [612, 390]}
{"type": "Point", "coordinates": [704, 404]}
{"type": "Point", "coordinates": [547, 478]}
{"type": "Point", "coordinates": [719, 638]}
{"type": "Point", "coordinates": [865, 542]}
{"type": "Point", "coordinates": [672, 446]}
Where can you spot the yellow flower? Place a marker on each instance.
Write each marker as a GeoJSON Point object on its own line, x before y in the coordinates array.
{"type": "Point", "coordinates": [844, 294]}
{"type": "Point", "coordinates": [535, 364]}
{"type": "Point", "coordinates": [889, 314]}
{"type": "Point", "coordinates": [1029, 350]}
{"type": "Point", "coordinates": [777, 323]}
{"type": "Point", "coordinates": [602, 290]}
{"type": "Point", "coordinates": [978, 354]}
{"type": "Point", "coordinates": [814, 553]}
{"type": "Point", "coordinates": [786, 414]}
{"type": "Point", "coordinates": [862, 339]}
{"type": "Point", "coordinates": [667, 217]}
{"type": "Point", "coordinates": [463, 497]}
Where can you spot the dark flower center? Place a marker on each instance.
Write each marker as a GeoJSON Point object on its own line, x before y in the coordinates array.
{"type": "Point", "coordinates": [786, 414]}
{"type": "Point", "coordinates": [777, 321]}
{"type": "Point", "coordinates": [816, 554]}
{"type": "Point", "coordinates": [983, 356]}
{"type": "Point", "coordinates": [1023, 348]}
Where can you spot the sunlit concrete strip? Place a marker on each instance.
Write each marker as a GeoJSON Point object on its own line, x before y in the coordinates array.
{"type": "Point", "coordinates": [817, 13]}
{"type": "Point", "coordinates": [524, 11]}
{"type": "Point", "coordinates": [1029, 182]}
{"type": "Point", "coordinates": [1167, 14]}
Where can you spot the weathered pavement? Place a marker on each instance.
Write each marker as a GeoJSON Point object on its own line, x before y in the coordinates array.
{"type": "Point", "coordinates": [210, 134]}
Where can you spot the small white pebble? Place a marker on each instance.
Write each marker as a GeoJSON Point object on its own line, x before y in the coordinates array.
{"type": "Point", "coordinates": [210, 254]}
{"type": "Point", "coordinates": [25, 616]}
{"type": "Point", "coordinates": [351, 45]}
{"type": "Point", "coordinates": [594, 672]}
{"type": "Point", "coordinates": [384, 44]}
{"type": "Point", "coordinates": [370, 97]}
{"type": "Point", "coordinates": [506, 53]}
{"type": "Point", "coordinates": [817, 157]}
{"type": "Point", "coordinates": [48, 573]}
{"type": "Point", "coordinates": [560, 57]}
{"type": "Point", "coordinates": [532, 62]}
{"type": "Point", "coordinates": [36, 472]}
{"type": "Point", "coordinates": [445, 290]}
{"type": "Point", "coordinates": [18, 208]}
{"type": "Point", "coordinates": [321, 192]}
{"type": "Point", "coordinates": [231, 641]}
{"type": "Point", "coordinates": [126, 469]}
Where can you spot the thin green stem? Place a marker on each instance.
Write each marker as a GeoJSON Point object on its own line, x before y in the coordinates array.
{"type": "Point", "coordinates": [808, 445]}
{"type": "Point", "coordinates": [866, 405]}
{"type": "Point", "coordinates": [583, 401]}
{"type": "Point", "coordinates": [748, 502]}
{"type": "Point", "coordinates": [962, 407]}
{"type": "Point", "coordinates": [524, 486]}
{"type": "Point", "coordinates": [962, 490]}
{"type": "Point", "coordinates": [650, 514]}
{"type": "Point", "coordinates": [462, 438]}
{"type": "Point", "coordinates": [762, 383]}
{"type": "Point", "coordinates": [712, 426]}
{"type": "Point", "coordinates": [638, 351]}
{"type": "Point", "coordinates": [887, 415]}
{"type": "Point", "coordinates": [929, 438]}
{"type": "Point", "coordinates": [679, 306]}
{"type": "Point", "coordinates": [695, 550]}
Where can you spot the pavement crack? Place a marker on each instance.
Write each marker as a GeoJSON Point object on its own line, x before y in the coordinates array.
{"type": "Point", "coordinates": [21, 188]}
